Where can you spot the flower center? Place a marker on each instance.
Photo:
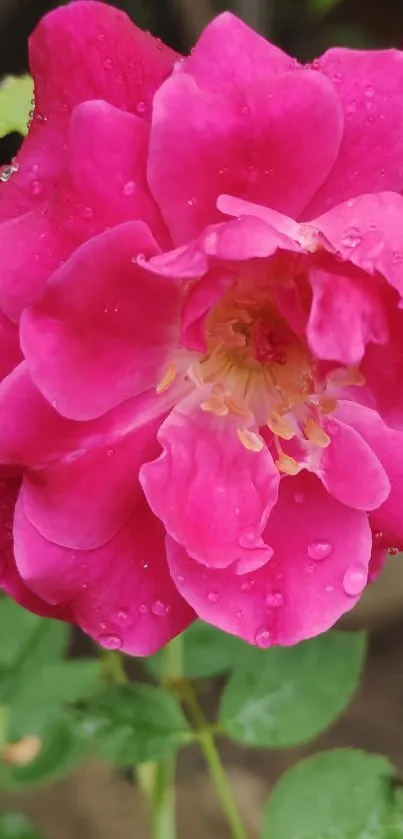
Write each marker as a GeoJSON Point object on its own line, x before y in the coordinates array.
{"type": "Point", "coordinates": [260, 370]}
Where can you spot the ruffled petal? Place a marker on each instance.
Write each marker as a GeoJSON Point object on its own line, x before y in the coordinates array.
{"type": "Point", "coordinates": [104, 329]}
{"type": "Point", "coordinates": [366, 232]}
{"type": "Point", "coordinates": [120, 593]}
{"type": "Point", "coordinates": [213, 494]}
{"type": "Point", "coordinates": [318, 571]}
{"type": "Point", "coordinates": [236, 241]}
{"type": "Point", "coordinates": [347, 313]}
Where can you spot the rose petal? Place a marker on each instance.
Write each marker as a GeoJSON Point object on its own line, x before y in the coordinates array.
{"type": "Point", "coordinates": [366, 232]}
{"type": "Point", "coordinates": [83, 50]}
{"type": "Point", "coordinates": [213, 494]}
{"type": "Point", "coordinates": [293, 596]}
{"type": "Point", "coordinates": [346, 314]}
{"type": "Point", "coordinates": [229, 53]}
{"type": "Point", "coordinates": [104, 329]}
{"type": "Point", "coordinates": [120, 593]}
{"type": "Point", "coordinates": [243, 142]}
{"type": "Point", "coordinates": [369, 84]}
{"type": "Point", "coordinates": [387, 444]}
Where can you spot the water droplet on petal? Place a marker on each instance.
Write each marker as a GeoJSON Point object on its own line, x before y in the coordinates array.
{"type": "Point", "coordinates": [263, 637]}
{"type": "Point", "coordinates": [213, 596]}
{"type": "Point", "coordinates": [275, 600]}
{"type": "Point", "coordinates": [393, 551]}
{"type": "Point", "coordinates": [88, 212]}
{"type": "Point", "coordinates": [329, 589]}
{"type": "Point", "coordinates": [299, 498]}
{"type": "Point", "coordinates": [310, 567]}
{"type": "Point", "coordinates": [129, 188]}
{"type": "Point", "coordinates": [192, 202]}
{"type": "Point", "coordinates": [397, 257]}
{"type": "Point", "coordinates": [108, 63]}
{"type": "Point", "coordinates": [239, 614]}
{"type": "Point", "coordinates": [245, 110]}
{"type": "Point", "coordinates": [123, 615]}
{"type": "Point", "coordinates": [141, 106]}
{"type": "Point", "coordinates": [110, 642]}
{"type": "Point", "coordinates": [160, 609]}
{"type": "Point", "coordinates": [351, 237]}
{"type": "Point", "coordinates": [110, 452]}
{"type": "Point", "coordinates": [369, 90]}
{"type": "Point", "coordinates": [180, 579]}
{"type": "Point", "coordinates": [320, 549]}
{"type": "Point", "coordinates": [36, 187]}
{"type": "Point", "coordinates": [355, 579]}
{"type": "Point", "coordinates": [352, 106]}
{"type": "Point", "coordinates": [143, 609]}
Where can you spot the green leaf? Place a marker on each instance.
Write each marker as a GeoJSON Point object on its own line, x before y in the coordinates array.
{"type": "Point", "coordinates": [135, 723]}
{"type": "Point", "coordinates": [322, 7]}
{"type": "Point", "coordinates": [68, 681]}
{"type": "Point", "coordinates": [29, 640]}
{"type": "Point", "coordinates": [43, 697]}
{"type": "Point", "coordinates": [342, 794]}
{"type": "Point", "coordinates": [15, 104]}
{"type": "Point", "coordinates": [32, 644]}
{"type": "Point", "coordinates": [207, 652]}
{"type": "Point", "coordinates": [16, 826]}
{"type": "Point", "coordinates": [394, 828]}
{"type": "Point", "coordinates": [286, 695]}
{"type": "Point", "coordinates": [17, 626]}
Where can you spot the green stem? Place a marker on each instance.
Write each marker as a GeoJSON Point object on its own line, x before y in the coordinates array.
{"type": "Point", "coordinates": [222, 787]}
{"type": "Point", "coordinates": [157, 780]}
{"type": "Point", "coordinates": [205, 737]}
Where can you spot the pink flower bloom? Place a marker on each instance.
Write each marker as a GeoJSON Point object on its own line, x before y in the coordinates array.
{"type": "Point", "coordinates": [205, 264]}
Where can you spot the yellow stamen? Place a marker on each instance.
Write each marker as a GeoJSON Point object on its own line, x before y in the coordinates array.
{"type": "Point", "coordinates": [167, 380]}
{"type": "Point", "coordinates": [250, 440]}
{"type": "Point", "coordinates": [309, 238]}
{"type": "Point", "coordinates": [215, 405]}
{"type": "Point", "coordinates": [327, 405]}
{"type": "Point", "coordinates": [288, 465]}
{"type": "Point", "coordinates": [315, 434]}
{"type": "Point", "coordinates": [280, 427]}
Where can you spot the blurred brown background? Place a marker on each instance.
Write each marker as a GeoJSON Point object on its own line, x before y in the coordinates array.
{"type": "Point", "coordinates": [95, 804]}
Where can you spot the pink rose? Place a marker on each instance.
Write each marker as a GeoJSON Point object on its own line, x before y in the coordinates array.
{"type": "Point", "coordinates": [207, 417]}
